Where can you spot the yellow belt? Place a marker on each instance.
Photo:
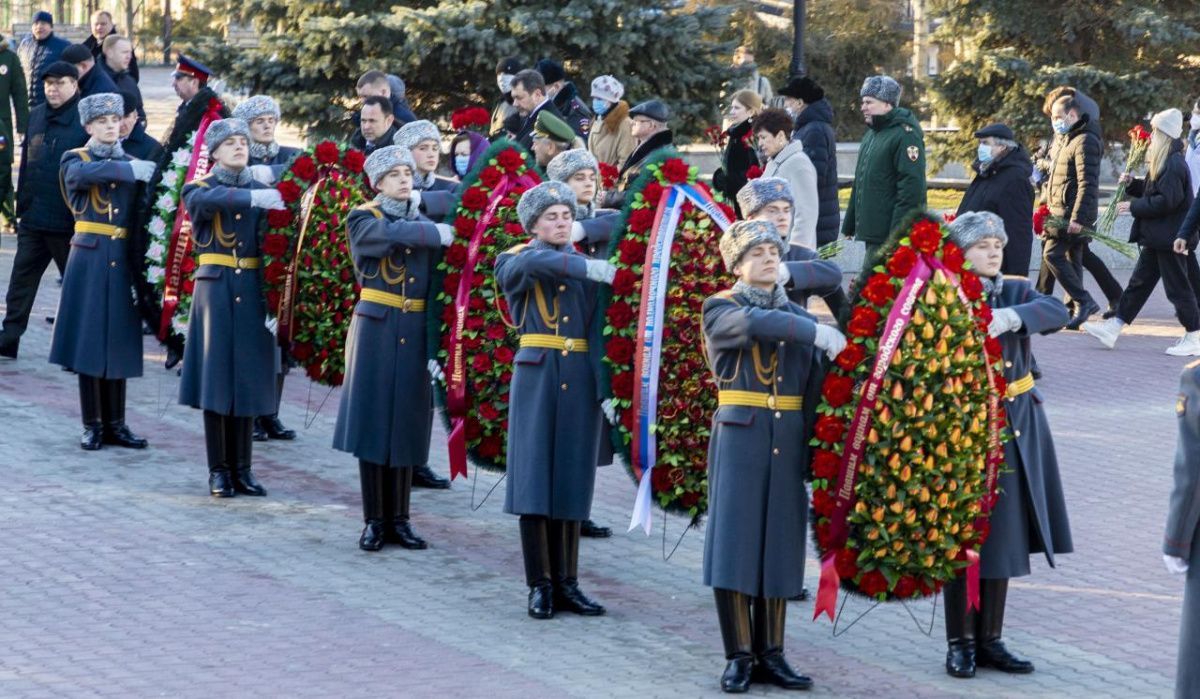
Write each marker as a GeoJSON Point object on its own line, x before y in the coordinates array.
{"type": "Point", "coordinates": [554, 342]}
{"type": "Point", "coordinates": [754, 399]}
{"type": "Point", "coordinates": [1022, 385]}
{"type": "Point", "coordinates": [212, 258]}
{"type": "Point", "coordinates": [394, 300]}
{"type": "Point", "coordinates": [100, 229]}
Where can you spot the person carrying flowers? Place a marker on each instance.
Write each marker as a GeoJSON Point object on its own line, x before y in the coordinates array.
{"type": "Point", "coordinates": [764, 352]}
{"type": "Point", "coordinates": [555, 410]}
{"type": "Point", "coordinates": [1030, 513]}
{"type": "Point", "coordinates": [384, 417]}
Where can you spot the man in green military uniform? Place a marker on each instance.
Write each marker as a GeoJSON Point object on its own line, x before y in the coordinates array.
{"type": "Point", "coordinates": [889, 179]}
{"type": "Point", "coordinates": [12, 89]}
{"type": "Point", "coordinates": [551, 136]}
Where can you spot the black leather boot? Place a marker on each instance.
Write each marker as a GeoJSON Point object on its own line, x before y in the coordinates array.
{"type": "Point", "coordinates": [960, 630]}
{"type": "Point", "coordinates": [397, 529]}
{"type": "Point", "coordinates": [535, 549]}
{"type": "Point", "coordinates": [733, 614]}
{"type": "Point", "coordinates": [270, 423]}
{"type": "Point", "coordinates": [770, 616]}
{"type": "Point", "coordinates": [112, 401]}
{"type": "Point", "coordinates": [220, 484]}
{"type": "Point", "coordinates": [90, 407]}
{"type": "Point", "coordinates": [424, 477]}
{"type": "Point", "coordinates": [990, 651]}
{"type": "Point", "coordinates": [260, 431]}
{"type": "Point", "coordinates": [1085, 309]}
{"type": "Point", "coordinates": [564, 557]}
{"type": "Point", "coordinates": [372, 478]}
{"type": "Point", "coordinates": [594, 531]}
{"type": "Point", "coordinates": [242, 452]}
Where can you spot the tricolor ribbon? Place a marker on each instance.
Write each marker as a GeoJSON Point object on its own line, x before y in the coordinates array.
{"type": "Point", "coordinates": [181, 232]}
{"type": "Point", "coordinates": [648, 345]}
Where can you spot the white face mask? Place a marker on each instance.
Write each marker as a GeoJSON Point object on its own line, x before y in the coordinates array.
{"type": "Point", "coordinates": [1195, 122]}
{"type": "Point", "coordinates": [504, 82]}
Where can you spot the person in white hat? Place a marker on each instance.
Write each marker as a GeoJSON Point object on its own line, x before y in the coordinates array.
{"type": "Point", "coordinates": [611, 139]}
{"type": "Point", "coordinates": [1166, 233]}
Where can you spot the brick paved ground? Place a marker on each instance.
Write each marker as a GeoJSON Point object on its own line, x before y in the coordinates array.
{"type": "Point", "coordinates": [120, 577]}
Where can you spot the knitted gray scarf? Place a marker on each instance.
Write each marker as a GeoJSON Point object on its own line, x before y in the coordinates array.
{"type": "Point", "coordinates": [229, 178]}
{"type": "Point", "coordinates": [396, 208]}
{"type": "Point", "coordinates": [104, 151]}
{"type": "Point", "coordinates": [761, 298]}
{"type": "Point", "coordinates": [992, 286]}
{"type": "Point", "coordinates": [263, 151]}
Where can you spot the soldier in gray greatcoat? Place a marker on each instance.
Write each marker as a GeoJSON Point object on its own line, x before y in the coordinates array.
{"type": "Point", "coordinates": [554, 406]}
{"type": "Point", "coordinates": [1030, 515]}
{"type": "Point", "coordinates": [384, 418]}
{"type": "Point", "coordinates": [764, 352]}
{"type": "Point", "coordinates": [98, 333]}
{"type": "Point", "coordinates": [230, 356]}
{"type": "Point", "coordinates": [268, 162]}
{"type": "Point", "coordinates": [1181, 545]}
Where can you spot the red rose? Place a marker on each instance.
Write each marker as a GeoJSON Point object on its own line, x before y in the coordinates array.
{"type": "Point", "coordinates": [837, 390]}
{"type": "Point", "coordinates": [326, 152]}
{"type": "Point", "coordinates": [1000, 384]}
{"type": "Point", "coordinates": [971, 286]}
{"type": "Point", "coordinates": [314, 372]}
{"type": "Point", "coordinates": [474, 199]}
{"type": "Point", "coordinates": [627, 418]}
{"type": "Point", "coordinates": [864, 322]}
{"type": "Point", "coordinates": [301, 351]}
{"type": "Point", "coordinates": [273, 298]}
{"type": "Point", "coordinates": [620, 314]}
{"type": "Point", "coordinates": [623, 282]}
{"type": "Point", "coordinates": [473, 429]}
{"type": "Point", "coordinates": [488, 412]}
{"type": "Point", "coordinates": [829, 429]}
{"type": "Point", "coordinates": [274, 244]}
{"type": "Point", "coordinates": [873, 583]}
{"type": "Point", "coordinates": [689, 498]}
{"type": "Point", "coordinates": [1039, 219]}
{"type": "Point", "coordinates": [824, 536]}
{"type": "Point", "coordinates": [279, 218]}
{"type": "Point", "coordinates": [926, 236]}
{"type": "Point", "coordinates": [490, 177]}
{"type": "Point", "coordinates": [675, 170]}
{"type": "Point", "coordinates": [984, 313]}
{"type": "Point", "coordinates": [902, 262]}
{"type": "Point", "coordinates": [608, 175]}
{"type": "Point", "coordinates": [496, 332]}
{"type": "Point", "coordinates": [456, 255]}
{"type": "Point", "coordinates": [304, 168]}
{"type": "Point", "coordinates": [188, 265]}
{"type": "Point", "coordinates": [354, 160]}
{"type": "Point", "coordinates": [754, 172]}
{"type": "Point", "coordinates": [822, 503]}
{"type": "Point", "coordinates": [489, 447]}
{"type": "Point", "coordinates": [619, 350]}
{"type": "Point", "coordinates": [275, 273]}
{"type": "Point", "coordinates": [993, 348]}
{"type": "Point", "coordinates": [879, 289]}
{"type": "Point", "coordinates": [464, 227]}
{"type": "Point", "coordinates": [503, 354]}
{"type": "Point", "coordinates": [851, 357]}
{"type": "Point", "coordinates": [450, 284]}
{"type": "Point", "coordinates": [481, 363]}
{"type": "Point", "coordinates": [825, 464]}
{"type": "Point", "coordinates": [640, 220]}
{"type": "Point", "coordinates": [289, 190]}
{"type": "Point", "coordinates": [622, 385]}
{"type": "Point", "coordinates": [660, 478]}
{"type": "Point", "coordinates": [652, 193]}
{"type": "Point", "coordinates": [633, 252]}
{"type": "Point", "coordinates": [952, 257]}
{"type": "Point", "coordinates": [846, 562]}
{"type": "Point", "coordinates": [510, 160]}
{"type": "Point", "coordinates": [905, 587]}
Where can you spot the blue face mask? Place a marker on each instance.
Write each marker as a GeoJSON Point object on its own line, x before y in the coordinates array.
{"type": "Point", "coordinates": [461, 162]}
{"type": "Point", "coordinates": [984, 154]}
{"type": "Point", "coordinates": [600, 107]}
{"type": "Point", "coordinates": [1060, 127]}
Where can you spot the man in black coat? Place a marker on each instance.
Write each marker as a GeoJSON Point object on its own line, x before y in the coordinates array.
{"type": "Point", "coordinates": [102, 28]}
{"type": "Point", "coordinates": [117, 53]}
{"type": "Point", "coordinates": [376, 125]}
{"type": "Point", "coordinates": [651, 133]}
{"type": "Point", "coordinates": [92, 78]}
{"type": "Point", "coordinates": [45, 224]}
{"type": "Point", "coordinates": [190, 81]}
{"type": "Point", "coordinates": [530, 98]}
{"type": "Point", "coordinates": [37, 51]}
{"type": "Point", "coordinates": [565, 97]}
{"type": "Point", "coordinates": [1002, 186]}
{"type": "Point", "coordinates": [804, 98]}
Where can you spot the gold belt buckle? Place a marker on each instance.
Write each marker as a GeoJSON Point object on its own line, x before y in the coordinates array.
{"type": "Point", "coordinates": [239, 262]}
{"type": "Point", "coordinates": [407, 305]}
{"type": "Point", "coordinates": [568, 345]}
{"type": "Point", "coordinates": [771, 401]}
{"type": "Point", "coordinates": [119, 233]}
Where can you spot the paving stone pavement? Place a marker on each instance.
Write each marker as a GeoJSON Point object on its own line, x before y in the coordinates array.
{"type": "Point", "coordinates": [120, 577]}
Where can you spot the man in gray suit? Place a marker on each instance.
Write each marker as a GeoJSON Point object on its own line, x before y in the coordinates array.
{"type": "Point", "coordinates": [1181, 546]}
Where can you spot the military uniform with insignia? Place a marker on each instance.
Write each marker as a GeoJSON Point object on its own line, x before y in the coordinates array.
{"type": "Point", "coordinates": [14, 91]}
{"type": "Point", "coordinates": [1181, 543]}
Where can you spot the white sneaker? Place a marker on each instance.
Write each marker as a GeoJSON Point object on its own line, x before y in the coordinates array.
{"type": "Point", "coordinates": [1188, 345]}
{"type": "Point", "coordinates": [1106, 331]}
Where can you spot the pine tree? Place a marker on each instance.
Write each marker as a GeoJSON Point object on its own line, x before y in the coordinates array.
{"type": "Point", "coordinates": [312, 53]}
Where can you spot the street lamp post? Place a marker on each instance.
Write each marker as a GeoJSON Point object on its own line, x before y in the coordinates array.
{"type": "Point", "coordinates": [798, 68]}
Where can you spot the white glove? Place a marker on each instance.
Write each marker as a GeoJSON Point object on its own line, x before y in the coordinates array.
{"type": "Point", "coordinates": [143, 170]}
{"type": "Point", "coordinates": [1175, 566]}
{"type": "Point", "coordinates": [272, 324]}
{"type": "Point", "coordinates": [262, 173]}
{"type": "Point", "coordinates": [830, 339]}
{"type": "Point", "coordinates": [1004, 320]}
{"type": "Point", "coordinates": [577, 232]}
{"type": "Point", "coordinates": [609, 410]}
{"type": "Point", "coordinates": [267, 199]}
{"type": "Point", "coordinates": [414, 198]}
{"type": "Point", "coordinates": [785, 274]}
{"type": "Point", "coordinates": [446, 233]}
{"type": "Point", "coordinates": [601, 271]}
{"type": "Point", "coordinates": [435, 371]}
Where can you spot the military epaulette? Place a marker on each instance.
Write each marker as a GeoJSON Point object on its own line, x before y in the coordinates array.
{"type": "Point", "coordinates": [727, 294]}
{"type": "Point", "coordinates": [83, 154]}
{"type": "Point", "coordinates": [373, 207]}
{"type": "Point", "coordinates": [516, 248]}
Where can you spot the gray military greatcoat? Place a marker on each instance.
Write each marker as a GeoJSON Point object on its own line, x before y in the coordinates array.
{"type": "Point", "coordinates": [97, 331]}
{"type": "Point", "coordinates": [757, 456]}
{"type": "Point", "coordinates": [1183, 521]}
{"type": "Point", "coordinates": [385, 415]}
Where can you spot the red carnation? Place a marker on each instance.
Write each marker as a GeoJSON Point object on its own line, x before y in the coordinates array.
{"type": "Point", "coordinates": [289, 190]}
{"type": "Point", "coordinates": [274, 244]}
{"type": "Point", "coordinates": [619, 350]}
{"type": "Point", "coordinates": [489, 447]}
{"type": "Point", "coordinates": [689, 498]}
{"type": "Point", "coordinates": [503, 354]}
{"type": "Point", "coordinates": [474, 199]}
{"type": "Point", "coordinates": [837, 390]}
{"type": "Point", "coordinates": [754, 172]}
{"type": "Point", "coordinates": [496, 332]}
{"type": "Point", "coordinates": [464, 227]}
{"type": "Point", "coordinates": [851, 357]}
{"type": "Point", "coordinates": [456, 255]}
{"type": "Point", "coordinates": [327, 152]}
{"type": "Point", "coordinates": [188, 265]}
{"type": "Point", "coordinates": [354, 160]}
{"type": "Point", "coordinates": [622, 385]}
{"type": "Point", "coordinates": [971, 286]}
{"type": "Point", "coordinates": [632, 252]}
{"type": "Point", "coordinates": [824, 536]}
{"type": "Point", "coordinates": [822, 502]}
{"type": "Point", "coordinates": [846, 562]}
{"type": "Point", "coordinates": [275, 273]}
{"type": "Point", "coordinates": [993, 348]}
{"type": "Point", "coordinates": [926, 236]}
{"type": "Point", "coordinates": [1039, 219]}
{"type": "Point", "coordinates": [623, 282]}
{"type": "Point", "coordinates": [620, 314]}
{"type": "Point", "coordinates": [304, 168]}
{"type": "Point", "coordinates": [608, 175]}
{"type": "Point", "coordinates": [905, 587]}
{"type": "Point", "coordinates": [488, 412]}
{"type": "Point", "coordinates": [481, 363]}
{"type": "Point", "coordinates": [999, 384]}
{"type": "Point", "coordinates": [640, 220]}
{"type": "Point", "coordinates": [652, 193]}
{"type": "Point", "coordinates": [829, 429]}
{"type": "Point", "coordinates": [490, 176]}
{"type": "Point", "coordinates": [952, 257]}
{"type": "Point", "coordinates": [864, 322]}
{"type": "Point", "coordinates": [473, 429]}
{"type": "Point", "coordinates": [510, 160]}
{"type": "Point", "coordinates": [879, 289]}
{"type": "Point", "coordinates": [902, 262]}
{"type": "Point", "coordinates": [873, 583]}
{"type": "Point", "coordinates": [450, 283]}
{"type": "Point", "coordinates": [825, 464]}
{"type": "Point", "coordinates": [984, 313]}
{"type": "Point", "coordinates": [279, 218]}
{"type": "Point", "coordinates": [675, 170]}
